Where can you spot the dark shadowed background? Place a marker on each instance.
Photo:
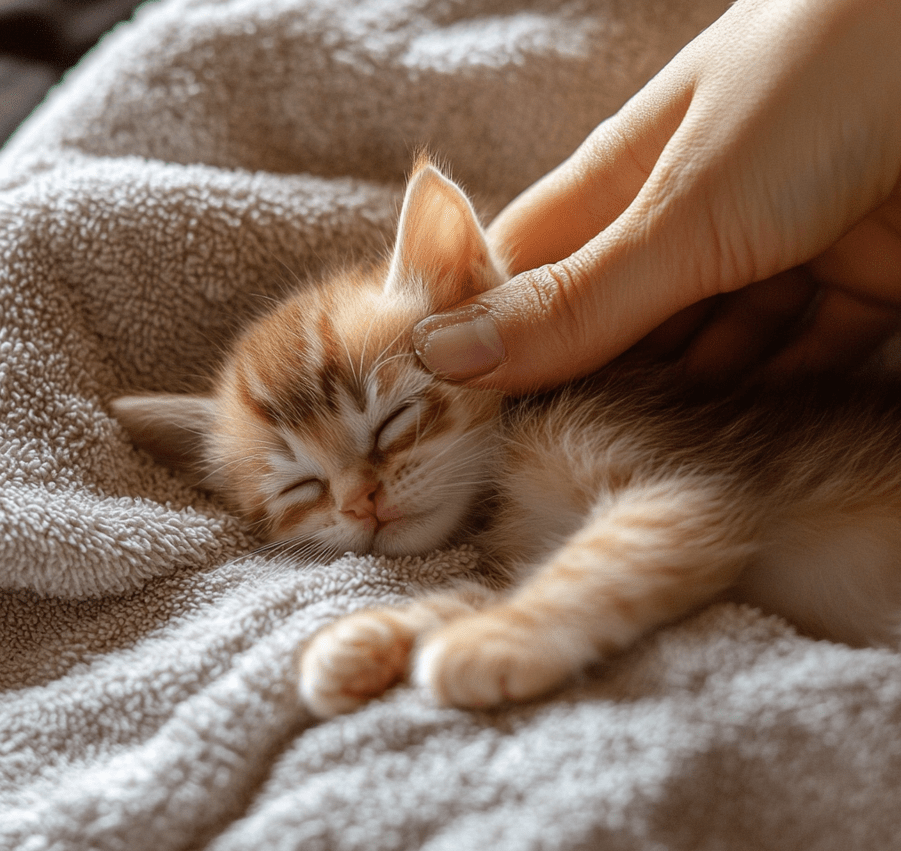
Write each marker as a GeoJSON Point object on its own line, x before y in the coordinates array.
{"type": "Point", "coordinates": [39, 40]}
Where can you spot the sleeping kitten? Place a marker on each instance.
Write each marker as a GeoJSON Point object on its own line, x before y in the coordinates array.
{"type": "Point", "coordinates": [611, 506]}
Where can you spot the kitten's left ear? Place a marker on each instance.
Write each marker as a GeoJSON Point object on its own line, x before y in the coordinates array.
{"type": "Point", "coordinates": [170, 426]}
{"type": "Point", "coordinates": [440, 245]}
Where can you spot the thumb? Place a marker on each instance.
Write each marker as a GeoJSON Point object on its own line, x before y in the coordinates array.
{"type": "Point", "coordinates": [548, 325]}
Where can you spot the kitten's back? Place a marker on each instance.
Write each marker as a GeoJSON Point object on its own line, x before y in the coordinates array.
{"type": "Point", "coordinates": [814, 468]}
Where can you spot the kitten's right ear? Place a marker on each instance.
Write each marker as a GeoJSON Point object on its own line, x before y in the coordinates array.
{"type": "Point", "coordinates": [441, 251]}
{"type": "Point", "coordinates": [170, 426]}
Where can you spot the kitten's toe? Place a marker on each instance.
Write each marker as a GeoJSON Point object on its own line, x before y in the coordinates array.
{"type": "Point", "coordinates": [492, 658]}
{"type": "Point", "coordinates": [352, 661]}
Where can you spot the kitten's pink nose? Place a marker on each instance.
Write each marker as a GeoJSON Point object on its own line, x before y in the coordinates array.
{"type": "Point", "coordinates": [366, 502]}
{"type": "Point", "coordinates": [360, 500]}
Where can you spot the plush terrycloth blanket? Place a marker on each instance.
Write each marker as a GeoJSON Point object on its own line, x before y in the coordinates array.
{"type": "Point", "coordinates": [203, 159]}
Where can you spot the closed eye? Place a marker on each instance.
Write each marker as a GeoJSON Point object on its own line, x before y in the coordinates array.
{"type": "Point", "coordinates": [306, 490]}
{"type": "Point", "coordinates": [394, 425]}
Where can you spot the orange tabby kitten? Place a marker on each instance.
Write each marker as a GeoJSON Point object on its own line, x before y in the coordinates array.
{"type": "Point", "coordinates": [611, 506]}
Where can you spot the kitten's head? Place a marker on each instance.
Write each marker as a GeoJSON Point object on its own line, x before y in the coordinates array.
{"type": "Point", "coordinates": [323, 426]}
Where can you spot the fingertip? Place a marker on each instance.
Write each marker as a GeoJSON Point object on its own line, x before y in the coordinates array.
{"type": "Point", "coordinates": [459, 345]}
{"type": "Point", "coordinates": [519, 338]}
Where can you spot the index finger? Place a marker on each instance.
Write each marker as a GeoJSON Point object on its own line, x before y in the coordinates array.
{"type": "Point", "coordinates": [572, 204]}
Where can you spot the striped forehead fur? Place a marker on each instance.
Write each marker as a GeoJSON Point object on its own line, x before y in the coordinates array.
{"type": "Point", "coordinates": [343, 334]}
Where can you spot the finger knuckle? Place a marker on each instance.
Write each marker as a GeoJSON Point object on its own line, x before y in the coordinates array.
{"type": "Point", "coordinates": [558, 296]}
{"type": "Point", "coordinates": [556, 293]}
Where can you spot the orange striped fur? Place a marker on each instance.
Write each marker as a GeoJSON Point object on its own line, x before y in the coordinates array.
{"type": "Point", "coordinates": [609, 507]}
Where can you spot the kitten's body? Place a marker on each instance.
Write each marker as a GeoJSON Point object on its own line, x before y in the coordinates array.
{"type": "Point", "coordinates": [611, 506]}
{"type": "Point", "coordinates": [799, 489]}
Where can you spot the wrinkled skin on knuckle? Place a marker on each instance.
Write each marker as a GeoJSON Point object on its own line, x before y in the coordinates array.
{"type": "Point", "coordinates": [560, 297]}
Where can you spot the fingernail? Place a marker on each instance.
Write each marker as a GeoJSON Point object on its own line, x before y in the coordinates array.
{"type": "Point", "coordinates": [459, 345]}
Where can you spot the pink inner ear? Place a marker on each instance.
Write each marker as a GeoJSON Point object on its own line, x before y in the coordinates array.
{"type": "Point", "coordinates": [440, 244]}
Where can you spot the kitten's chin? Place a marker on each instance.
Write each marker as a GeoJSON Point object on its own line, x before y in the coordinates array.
{"type": "Point", "coordinates": [414, 535]}
{"type": "Point", "coordinates": [388, 541]}
{"type": "Point", "coordinates": [408, 535]}
{"type": "Point", "coordinates": [399, 545]}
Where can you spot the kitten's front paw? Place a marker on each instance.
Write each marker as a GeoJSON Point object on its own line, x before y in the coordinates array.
{"type": "Point", "coordinates": [491, 658]}
{"type": "Point", "coordinates": [353, 660]}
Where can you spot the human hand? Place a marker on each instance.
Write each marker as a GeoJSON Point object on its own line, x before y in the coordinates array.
{"type": "Point", "coordinates": [767, 153]}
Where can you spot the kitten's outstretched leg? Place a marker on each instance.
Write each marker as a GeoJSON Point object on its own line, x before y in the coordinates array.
{"type": "Point", "coordinates": [654, 554]}
{"type": "Point", "coordinates": [359, 657]}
